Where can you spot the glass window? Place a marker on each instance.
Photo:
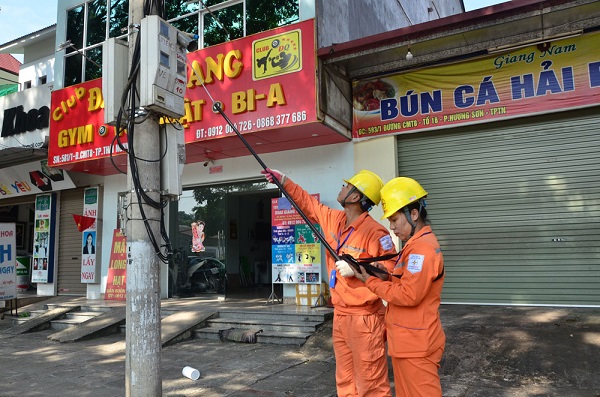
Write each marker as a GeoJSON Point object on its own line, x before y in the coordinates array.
{"type": "Point", "coordinates": [187, 24]}
{"type": "Point", "coordinates": [223, 25]}
{"type": "Point", "coordinates": [119, 17]}
{"type": "Point", "coordinates": [72, 70]}
{"type": "Point", "coordinates": [216, 21]}
{"type": "Point", "coordinates": [93, 71]}
{"type": "Point", "coordinates": [75, 18]}
{"type": "Point", "coordinates": [264, 15]}
{"type": "Point", "coordinates": [88, 26]}
{"type": "Point", "coordinates": [205, 230]}
{"type": "Point", "coordinates": [223, 20]}
{"type": "Point", "coordinates": [179, 8]}
{"type": "Point", "coordinates": [96, 22]}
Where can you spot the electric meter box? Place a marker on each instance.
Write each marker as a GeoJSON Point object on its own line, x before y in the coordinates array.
{"type": "Point", "coordinates": [162, 69]}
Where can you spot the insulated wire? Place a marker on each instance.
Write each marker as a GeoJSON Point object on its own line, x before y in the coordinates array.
{"type": "Point", "coordinates": [130, 92]}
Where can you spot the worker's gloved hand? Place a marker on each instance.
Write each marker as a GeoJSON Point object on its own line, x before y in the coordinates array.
{"type": "Point", "coordinates": [271, 175]}
{"type": "Point", "coordinates": [344, 269]}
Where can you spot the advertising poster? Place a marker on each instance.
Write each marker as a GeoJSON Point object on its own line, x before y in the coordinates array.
{"type": "Point", "coordinates": [296, 250]}
{"type": "Point", "coordinates": [89, 268]}
{"type": "Point", "coordinates": [43, 239]}
{"type": "Point", "coordinates": [117, 268]}
{"type": "Point", "coordinates": [525, 81]}
{"type": "Point", "coordinates": [32, 178]}
{"type": "Point", "coordinates": [8, 269]}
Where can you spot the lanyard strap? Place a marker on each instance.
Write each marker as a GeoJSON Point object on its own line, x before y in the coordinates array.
{"type": "Point", "coordinates": [340, 245]}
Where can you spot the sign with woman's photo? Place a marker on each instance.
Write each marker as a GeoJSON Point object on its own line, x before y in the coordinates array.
{"type": "Point", "coordinates": [89, 250]}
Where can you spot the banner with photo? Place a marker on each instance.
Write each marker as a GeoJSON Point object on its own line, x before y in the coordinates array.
{"type": "Point", "coordinates": [89, 243]}
{"type": "Point", "coordinates": [43, 239]}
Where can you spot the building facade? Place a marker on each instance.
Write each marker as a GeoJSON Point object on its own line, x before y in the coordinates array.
{"type": "Point", "coordinates": [496, 114]}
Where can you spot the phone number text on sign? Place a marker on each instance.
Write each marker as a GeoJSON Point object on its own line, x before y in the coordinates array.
{"type": "Point", "coordinates": [249, 125]}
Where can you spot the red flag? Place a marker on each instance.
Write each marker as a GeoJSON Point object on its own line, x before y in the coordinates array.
{"type": "Point", "coordinates": [83, 222]}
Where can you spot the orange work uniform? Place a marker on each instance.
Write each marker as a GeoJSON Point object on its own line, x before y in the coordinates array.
{"type": "Point", "coordinates": [358, 324]}
{"type": "Point", "coordinates": [416, 339]}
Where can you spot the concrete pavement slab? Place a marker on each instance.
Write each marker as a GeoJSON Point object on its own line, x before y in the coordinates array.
{"type": "Point", "coordinates": [491, 351]}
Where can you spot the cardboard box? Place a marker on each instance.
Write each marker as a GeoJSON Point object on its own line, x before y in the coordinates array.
{"type": "Point", "coordinates": [308, 294]}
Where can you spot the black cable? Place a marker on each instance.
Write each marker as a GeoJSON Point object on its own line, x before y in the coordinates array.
{"type": "Point", "coordinates": [130, 93]}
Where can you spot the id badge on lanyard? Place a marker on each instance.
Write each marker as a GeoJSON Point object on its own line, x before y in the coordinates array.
{"type": "Point", "coordinates": [332, 279]}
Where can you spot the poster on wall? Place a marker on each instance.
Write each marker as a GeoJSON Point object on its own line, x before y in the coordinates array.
{"type": "Point", "coordinates": [32, 178]}
{"type": "Point", "coordinates": [117, 268]}
{"type": "Point", "coordinates": [89, 268]}
{"type": "Point", "coordinates": [43, 239]}
{"type": "Point", "coordinates": [295, 249]}
{"type": "Point", "coordinates": [8, 253]}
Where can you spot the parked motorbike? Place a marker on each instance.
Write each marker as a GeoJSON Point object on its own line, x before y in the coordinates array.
{"type": "Point", "coordinates": [205, 275]}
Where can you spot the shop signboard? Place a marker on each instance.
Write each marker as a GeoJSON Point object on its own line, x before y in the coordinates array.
{"type": "Point", "coordinates": [77, 129]}
{"type": "Point", "coordinates": [295, 249]}
{"type": "Point", "coordinates": [24, 118]}
{"type": "Point", "coordinates": [8, 268]}
{"type": "Point", "coordinates": [533, 80]}
{"type": "Point", "coordinates": [264, 81]}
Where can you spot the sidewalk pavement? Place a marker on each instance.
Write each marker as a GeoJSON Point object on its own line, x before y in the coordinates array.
{"type": "Point", "coordinates": [490, 351]}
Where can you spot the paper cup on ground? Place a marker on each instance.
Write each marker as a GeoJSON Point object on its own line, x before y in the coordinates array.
{"type": "Point", "coordinates": [191, 373]}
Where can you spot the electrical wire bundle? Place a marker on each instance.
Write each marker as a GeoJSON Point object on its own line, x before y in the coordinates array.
{"type": "Point", "coordinates": [128, 116]}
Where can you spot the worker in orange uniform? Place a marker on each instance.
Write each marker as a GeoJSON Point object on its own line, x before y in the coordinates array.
{"type": "Point", "coordinates": [416, 339]}
{"type": "Point", "coordinates": [358, 328]}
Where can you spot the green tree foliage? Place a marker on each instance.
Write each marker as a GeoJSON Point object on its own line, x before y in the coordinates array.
{"type": "Point", "coordinates": [221, 25]}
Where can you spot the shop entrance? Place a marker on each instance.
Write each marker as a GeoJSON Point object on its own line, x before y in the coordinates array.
{"type": "Point", "coordinates": [222, 240]}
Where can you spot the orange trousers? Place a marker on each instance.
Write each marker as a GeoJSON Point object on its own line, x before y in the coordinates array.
{"type": "Point", "coordinates": [418, 376]}
{"type": "Point", "coordinates": [360, 356]}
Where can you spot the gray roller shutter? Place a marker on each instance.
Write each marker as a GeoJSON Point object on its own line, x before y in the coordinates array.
{"type": "Point", "coordinates": [69, 240]}
{"type": "Point", "coordinates": [516, 207]}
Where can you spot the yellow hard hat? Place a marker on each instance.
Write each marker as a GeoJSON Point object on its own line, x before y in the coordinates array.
{"type": "Point", "coordinates": [368, 183]}
{"type": "Point", "coordinates": [398, 193]}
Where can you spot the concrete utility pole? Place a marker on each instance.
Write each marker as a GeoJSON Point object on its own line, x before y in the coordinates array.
{"type": "Point", "coordinates": [143, 346]}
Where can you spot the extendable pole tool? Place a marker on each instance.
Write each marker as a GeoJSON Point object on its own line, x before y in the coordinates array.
{"type": "Point", "coordinates": [351, 260]}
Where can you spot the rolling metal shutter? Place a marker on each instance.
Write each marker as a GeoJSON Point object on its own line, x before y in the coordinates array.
{"type": "Point", "coordinates": [515, 206]}
{"type": "Point", "coordinates": [69, 248]}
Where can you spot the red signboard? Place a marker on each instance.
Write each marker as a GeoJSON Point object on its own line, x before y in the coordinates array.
{"type": "Point", "coordinates": [264, 81]}
{"type": "Point", "coordinates": [117, 269]}
{"type": "Point", "coordinates": [77, 130]}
